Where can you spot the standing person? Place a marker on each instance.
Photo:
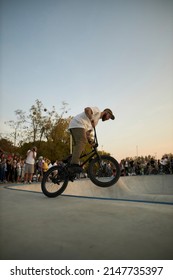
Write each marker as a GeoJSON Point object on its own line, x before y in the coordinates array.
{"type": "Point", "coordinates": [30, 164]}
{"type": "Point", "coordinates": [80, 128]}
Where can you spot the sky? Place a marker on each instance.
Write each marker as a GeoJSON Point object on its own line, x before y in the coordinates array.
{"type": "Point", "coordinates": [115, 54]}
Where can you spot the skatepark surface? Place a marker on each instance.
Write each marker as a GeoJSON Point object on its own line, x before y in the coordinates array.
{"type": "Point", "coordinates": [157, 189]}
{"type": "Point", "coordinates": [133, 219]}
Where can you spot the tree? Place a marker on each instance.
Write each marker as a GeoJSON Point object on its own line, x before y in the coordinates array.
{"type": "Point", "coordinates": [36, 126]}
{"type": "Point", "coordinates": [43, 128]}
{"type": "Point", "coordinates": [18, 126]}
{"type": "Point", "coordinates": [59, 139]}
{"type": "Point", "coordinates": [40, 121]}
{"type": "Point", "coordinates": [6, 146]}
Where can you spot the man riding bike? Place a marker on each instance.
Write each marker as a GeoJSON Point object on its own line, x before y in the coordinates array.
{"type": "Point", "coordinates": [80, 128]}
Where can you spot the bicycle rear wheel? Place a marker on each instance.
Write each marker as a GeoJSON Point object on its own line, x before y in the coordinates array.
{"type": "Point", "coordinates": [54, 181]}
{"type": "Point", "coordinates": [104, 171]}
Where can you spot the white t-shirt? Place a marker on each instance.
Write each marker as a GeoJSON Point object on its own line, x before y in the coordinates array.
{"type": "Point", "coordinates": [30, 157]}
{"type": "Point", "coordinates": [82, 121]}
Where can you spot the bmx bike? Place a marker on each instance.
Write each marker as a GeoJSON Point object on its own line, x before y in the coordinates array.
{"type": "Point", "coordinates": [103, 171]}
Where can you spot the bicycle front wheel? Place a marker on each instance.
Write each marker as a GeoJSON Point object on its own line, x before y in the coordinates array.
{"type": "Point", "coordinates": [54, 181]}
{"type": "Point", "coordinates": [104, 171]}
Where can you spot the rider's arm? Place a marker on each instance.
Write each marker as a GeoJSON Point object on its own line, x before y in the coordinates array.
{"type": "Point", "coordinates": [89, 114]}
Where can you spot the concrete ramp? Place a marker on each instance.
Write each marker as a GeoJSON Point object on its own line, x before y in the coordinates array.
{"type": "Point", "coordinates": [153, 188]}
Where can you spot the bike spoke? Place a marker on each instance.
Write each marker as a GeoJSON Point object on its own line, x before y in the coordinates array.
{"type": "Point", "coordinates": [105, 171]}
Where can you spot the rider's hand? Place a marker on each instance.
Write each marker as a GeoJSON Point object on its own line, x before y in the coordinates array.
{"type": "Point", "coordinates": [92, 143]}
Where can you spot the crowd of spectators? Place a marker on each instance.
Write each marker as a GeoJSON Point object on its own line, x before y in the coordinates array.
{"type": "Point", "coordinates": [12, 167]}
{"type": "Point", "coordinates": [146, 166]}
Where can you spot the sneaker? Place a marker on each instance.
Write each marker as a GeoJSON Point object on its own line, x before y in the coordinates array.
{"type": "Point", "coordinates": [75, 168]}
{"type": "Point", "coordinates": [30, 182]}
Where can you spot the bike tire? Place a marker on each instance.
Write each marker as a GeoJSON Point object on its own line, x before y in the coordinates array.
{"type": "Point", "coordinates": [54, 181]}
{"type": "Point", "coordinates": [98, 174]}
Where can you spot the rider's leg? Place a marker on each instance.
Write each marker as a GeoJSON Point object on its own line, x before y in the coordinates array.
{"type": "Point", "coordinates": [79, 142]}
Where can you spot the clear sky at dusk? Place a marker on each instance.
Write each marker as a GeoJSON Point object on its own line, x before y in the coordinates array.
{"type": "Point", "coordinates": [105, 53]}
